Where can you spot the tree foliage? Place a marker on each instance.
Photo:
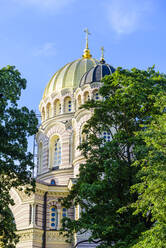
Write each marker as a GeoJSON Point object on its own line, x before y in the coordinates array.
{"type": "Point", "coordinates": [16, 125]}
{"type": "Point", "coordinates": [103, 187]}
{"type": "Point", "coordinates": [152, 185]}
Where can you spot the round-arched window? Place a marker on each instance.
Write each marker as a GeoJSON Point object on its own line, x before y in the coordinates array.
{"type": "Point", "coordinates": [57, 152]}
{"type": "Point", "coordinates": [67, 105]}
{"type": "Point", "coordinates": [53, 217]}
{"type": "Point", "coordinates": [86, 96]}
{"type": "Point", "coordinates": [48, 108]}
{"type": "Point", "coordinates": [96, 95]}
{"type": "Point", "coordinates": [53, 182]}
{"type": "Point", "coordinates": [78, 101]}
{"type": "Point", "coordinates": [57, 107]}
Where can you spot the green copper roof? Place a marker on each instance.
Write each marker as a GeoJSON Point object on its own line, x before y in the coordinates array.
{"type": "Point", "coordinates": [69, 76]}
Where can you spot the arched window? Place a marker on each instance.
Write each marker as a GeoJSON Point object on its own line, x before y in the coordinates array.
{"type": "Point", "coordinates": [53, 218]}
{"type": "Point", "coordinates": [67, 105]}
{"type": "Point", "coordinates": [78, 101]}
{"type": "Point", "coordinates": [57, 152]}
{"type": "Point", "coordinates": [53, 182]}
{"type": "Point", "coordinates": [40, 157]}
{"type": "Point", "coordinates": [86, 96]}
{"type": "Point", "coordinates": [64, 212]}
{"type": "Point", "coordinates": [48, 110]}
{"type": "Point", "coordinates": [107, 136]}
{"type": "Point", "coordinates": [57, 107]}
{"type": "Point", "coordinates": [43, 114]}
{"type": "Point", "coordinates": [96, 95]}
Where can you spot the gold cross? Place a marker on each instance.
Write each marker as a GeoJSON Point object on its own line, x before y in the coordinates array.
{"type": "Point", "coordinates": [87, 33]}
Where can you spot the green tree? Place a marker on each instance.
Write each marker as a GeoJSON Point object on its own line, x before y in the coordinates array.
{"type": "Point", "coordinates": [16, 125]}
{"type": "Point", "coordinates": [152, 185]}
{"type": "Point", "coordinates": [103, 187]}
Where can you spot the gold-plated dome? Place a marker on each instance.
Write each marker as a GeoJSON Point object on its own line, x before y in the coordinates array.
{"type": "Point", "coordinates": [69, 76]}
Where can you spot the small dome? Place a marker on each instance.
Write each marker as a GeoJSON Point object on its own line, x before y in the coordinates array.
{"type": "Point", "coordinates": [96, 73]}
{"type": "Point", "coordinates": [69, 76]}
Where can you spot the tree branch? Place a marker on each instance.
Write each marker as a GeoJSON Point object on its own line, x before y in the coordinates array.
{"type": "Point", "coordinates": [86, 240]}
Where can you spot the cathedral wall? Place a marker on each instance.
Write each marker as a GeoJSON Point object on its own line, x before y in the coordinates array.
{"type": "Point", "coordinates": [26, 244]}
{"type": "Point", "coordinates": [54, 129]}
{"type": "Point", "coordinates": [55, 240]}
{"type": "Point", "coordinates": [53, 201]}
{"type": "Point", "coordinates": [81, 117]}
{"type": "Point", "coordinates": [61, 177]}
{"type": "Point", "coordinates": [45, 156]}
{"type": "Point", "coordinates": [20, 210]}
{"type": "Point", "coordinates": [39, 215]}
{"type": "Point", "coordinates": [22, 216]}
{"type": "Point", "coordinates": [30, 238]}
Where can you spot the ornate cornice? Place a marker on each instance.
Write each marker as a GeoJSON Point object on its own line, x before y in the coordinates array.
{"type": "Point", "coordinates": [30, 234]}
{"type": "Point", "coordinates": [56, 172]}
{"type": "Point", "coordinates": [55, 237]}
{"type": "Point", "coordinates": [34, 234]}
{"type": "Point", "coordinates": [58, 191]}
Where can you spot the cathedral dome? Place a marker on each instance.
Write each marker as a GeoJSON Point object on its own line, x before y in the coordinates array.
{"type": "Point", "coordinates": [96, 73]}
{"type": "Point", "coordinates": [70, 75]}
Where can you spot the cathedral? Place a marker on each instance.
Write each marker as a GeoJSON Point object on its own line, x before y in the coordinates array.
{"type": "Point", "coordinates": [38, 216]}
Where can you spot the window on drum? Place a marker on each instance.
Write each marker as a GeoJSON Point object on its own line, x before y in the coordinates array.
{"type": "Point", "coordinates": [69, 106]}
{"type": "Point", "coordinates": [57, 107]}
{"type": "Point", "coordinates": [53, 182]}
{"type": "Point", "coordinates": [96, 95]}
{"type": "Point", "coordinates": [57, 153]}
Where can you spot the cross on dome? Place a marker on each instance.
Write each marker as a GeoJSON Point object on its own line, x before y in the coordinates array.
{"type": "Point", "coordinates": [102, 55]}
{"type": "Point", "coordinates": [87, 54]}
{"type": "Point", "coordinates": [87, 33]}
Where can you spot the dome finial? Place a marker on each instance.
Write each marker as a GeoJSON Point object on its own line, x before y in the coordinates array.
{"type": "Point", "coordinates": [86, 50]}
{"type": "Point", "coordinates": [102, 55]}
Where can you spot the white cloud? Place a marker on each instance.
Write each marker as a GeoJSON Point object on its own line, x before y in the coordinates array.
{"type": "Point", "coordinates": [48, 49]}
{"type": "Point", "coordinates": [45, 4]}
{"type": "Point", "coordinates": [126, 16]}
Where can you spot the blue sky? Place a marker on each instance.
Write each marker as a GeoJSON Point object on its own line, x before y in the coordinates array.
{"type": "Point", "coordinates": [40, 36]}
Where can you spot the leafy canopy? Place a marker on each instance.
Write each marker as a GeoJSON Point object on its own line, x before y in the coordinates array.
{"type": "Point", "coordinates": [16, 125]}
{"type": "Point", "coordinates": [152, 185]}
{"type": "Point", "coordinates": [103, 187]}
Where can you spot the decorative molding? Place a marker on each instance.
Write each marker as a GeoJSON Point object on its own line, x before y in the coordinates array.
{"type": "Point", "coordinates": [79, 160]}
{"type": "Point", "coordinates": [55, 236]}
{"type": "Point", "coordinates": [56, 128]}
{"type": "Point", "coordinates": [49, 174]}
{"type": "Point", "coordinates": [30, 234]}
